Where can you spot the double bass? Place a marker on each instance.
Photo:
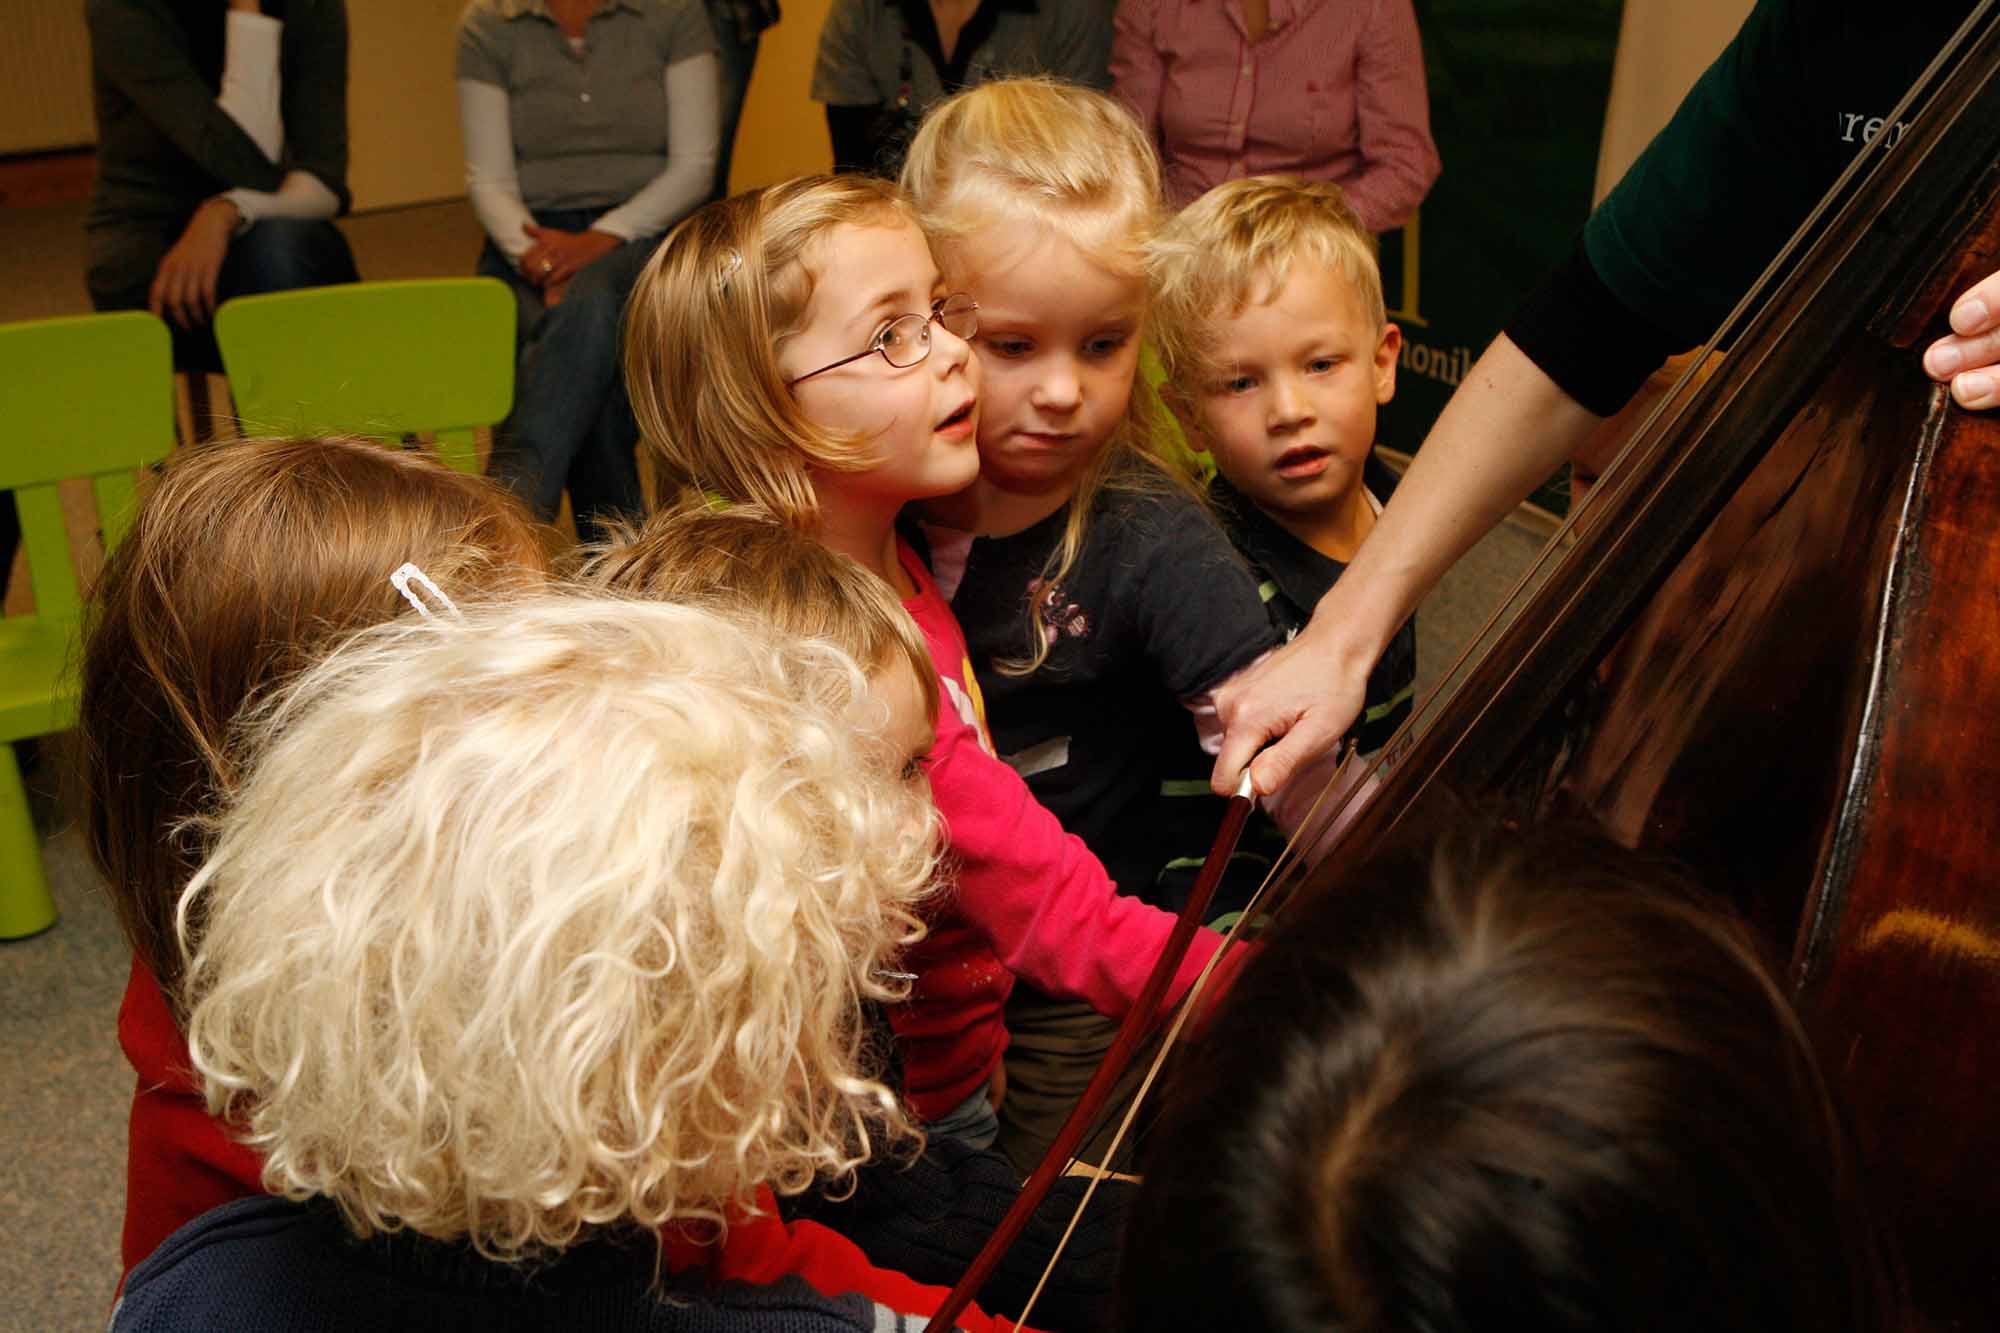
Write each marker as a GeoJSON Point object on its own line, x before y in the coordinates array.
{"type": "Point", "coordinates": [1768, 646]}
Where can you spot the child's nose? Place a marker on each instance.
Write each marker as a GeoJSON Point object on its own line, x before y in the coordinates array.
{"type": "Point", "coordinates": [1290, 407]}
{"type": "Point", "coordinates": [1059, 388]}
{"type": "Point", "coordinates": [950, 351]}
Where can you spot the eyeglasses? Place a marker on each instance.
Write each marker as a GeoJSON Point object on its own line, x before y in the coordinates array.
{"type": "Point", "coordinates": [907, 339]}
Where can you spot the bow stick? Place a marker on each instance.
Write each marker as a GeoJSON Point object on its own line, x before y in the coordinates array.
{"type": "Point", "coordinates": [1136, 1026]}
{"type": "Point", "coordinates": [1133, 1031]}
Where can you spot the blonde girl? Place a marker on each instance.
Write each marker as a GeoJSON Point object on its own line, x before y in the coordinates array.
{"type": "Point", "coordinates": [246, 561]}
{"type": "Point", "coordinates": [797, 348]}
{"type": "Point", "coordinates": [533, 946]}
{"type": "Point", "coordinates": [1101, 602]}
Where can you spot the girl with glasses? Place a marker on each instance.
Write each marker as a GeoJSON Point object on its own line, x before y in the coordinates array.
{"type": "Point", "coordinates": [798, 349]}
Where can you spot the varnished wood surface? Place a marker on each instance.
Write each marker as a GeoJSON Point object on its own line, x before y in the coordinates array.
{"type": "Point", "coordinates": [1773, 652]}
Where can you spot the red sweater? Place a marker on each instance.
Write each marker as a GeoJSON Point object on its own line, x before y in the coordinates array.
{"type": "Point", "coordinates": [1030, 900]}
{"type": "Point", "coordinates": [180, 1162]}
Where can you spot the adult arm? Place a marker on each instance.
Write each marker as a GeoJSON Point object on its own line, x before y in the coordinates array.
{"type": "Point", "coordinates": [694, 131]}
{"type": "Point", "coordinates": [1138, 75]}
{"type": "Point", "coordinates": [252, 49]}
{"type": "Point", "coordinates": [314, 96]}
{"type": "Point", "coordinates": [251, 95]}
{"type": "Point", "coordinates": [140, 52]}
{"type": "Point", "coordinates": [1504, 430]}
{"type": "Point", "coordinates": [303, 197]}
{"type": "Point", "coordinates": [490, 182]}
{"type": "Point", "coordinates": [1393, 118]}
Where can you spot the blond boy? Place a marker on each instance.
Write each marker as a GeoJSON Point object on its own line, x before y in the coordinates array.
{"type": "Point", "coordinates": [1269, 315]}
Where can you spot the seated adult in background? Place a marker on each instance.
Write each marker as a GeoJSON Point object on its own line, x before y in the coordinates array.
{"type": "Point", "coordinates": [1330, 90]}
{"type": "Point", "coordinates": [532, 954]}
{"type": "Point", "coordinates": [1753, 147]}
{"type": "Point", "coordinates": [1515, 1082]}
{"type": "Point", "coordinates": [590, 128]}
{"type": "Point", "coordinates": [221, 153]}
{"type": "Point", "coordinates": [883, 63]}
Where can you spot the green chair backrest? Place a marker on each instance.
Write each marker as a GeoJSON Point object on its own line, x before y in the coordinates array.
{"type": "Point", "coordinates": [86, 397]}
{"type": "Point", "coordinates": [432, 355]}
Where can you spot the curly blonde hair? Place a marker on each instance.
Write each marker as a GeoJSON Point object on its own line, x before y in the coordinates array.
{"type": "Point", "coordinates": [703, 327]}
{"type": "Point", "coordinates": [1235, 246]}
{"type": "Point", "coordinates": [1052, 156]}
{"type": "Point", "coordinates": [555, 917]}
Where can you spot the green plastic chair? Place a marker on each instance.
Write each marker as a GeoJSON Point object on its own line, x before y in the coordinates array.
{"type": "Point", "coordinates": [90, 397]}
{"type": "Point", "coordinates": [374, 358]}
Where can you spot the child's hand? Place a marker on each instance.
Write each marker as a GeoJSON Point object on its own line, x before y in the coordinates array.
{"type": "Point", "coordinates": [1970, 359]}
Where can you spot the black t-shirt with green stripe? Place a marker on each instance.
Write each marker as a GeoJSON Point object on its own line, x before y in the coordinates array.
{"type": "Point", "coordinates": [1292, 577]}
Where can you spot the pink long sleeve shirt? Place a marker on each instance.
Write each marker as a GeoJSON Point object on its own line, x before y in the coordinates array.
{"type": "Point", "coordinates": [1029, 899]}
{"type": "Point", "coordinates": [1333, 91]}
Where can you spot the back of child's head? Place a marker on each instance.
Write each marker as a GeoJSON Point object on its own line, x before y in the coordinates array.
{"type": "Point", "coordinates": [1235, 246]}
{"type": "Point", "coordinates": [1522, 1082]}
{"type": "Point", "coordinates": [552, 917]}
{"type": "Point", "coordinates": [702, 333]}
{"type": "Point", "coordinates": [1037, 153]}
{"type": "Point", "coordinates": [245, 561]}
{"type": "Point", "coordinates": [741, 560]}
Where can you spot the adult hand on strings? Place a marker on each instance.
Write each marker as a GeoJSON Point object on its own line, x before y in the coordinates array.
{"type": "Point", "coordinates": [1969, 360]}
{"type": "Point", "coordinates": [555, 256]}
{"type": "Point", "coordinates": [1302, 698]}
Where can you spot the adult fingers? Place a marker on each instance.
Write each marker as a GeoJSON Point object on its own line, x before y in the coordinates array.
{"type": "Point", "coordinates": [1314, 734]}
{"type": "Point", "coordinates": [1976, 390]}
{"type": "Point", "coordinates": [1240, 744]}
{"type": "Point", "coordinates": [1962, 352]}
{"type": "Point", "coordinates": [1978, 310]}
{"type": "Point", "coordinates": [205, 289]}
{"type": "Point", "coordinates": [173, 295]}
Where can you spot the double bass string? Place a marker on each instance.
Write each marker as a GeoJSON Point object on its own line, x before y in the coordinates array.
{"type": "Point", "coordinates": [1311, 829]}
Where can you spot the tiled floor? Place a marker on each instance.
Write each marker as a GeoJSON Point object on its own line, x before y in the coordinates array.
{"type": "Point", "coordinates": [64, 1087]}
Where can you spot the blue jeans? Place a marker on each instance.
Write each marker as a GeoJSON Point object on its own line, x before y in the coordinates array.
{"type": "Point", "coordinates": [572, 425]}
{"type": "Point", "coordinates": [275, 255]}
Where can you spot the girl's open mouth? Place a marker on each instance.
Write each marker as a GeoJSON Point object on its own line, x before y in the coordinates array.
{"type": "Point", "coordinates": [960, 416]}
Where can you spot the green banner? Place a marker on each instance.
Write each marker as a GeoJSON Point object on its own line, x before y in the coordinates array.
{"type": "Point", "coordinates": [1518, 91]}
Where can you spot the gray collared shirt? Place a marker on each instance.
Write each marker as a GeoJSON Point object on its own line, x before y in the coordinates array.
{"type": "Point", "coordinates": [589, 128]}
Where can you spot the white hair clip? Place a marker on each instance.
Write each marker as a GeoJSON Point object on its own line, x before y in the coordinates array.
{"type": "Point", "coordinates": [726, 268]}
{"type": "Point", "coordinates": [408, 574]}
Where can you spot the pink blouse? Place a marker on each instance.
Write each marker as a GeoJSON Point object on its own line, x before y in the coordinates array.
{"type": "Point", "coordinates": [1333, 91]}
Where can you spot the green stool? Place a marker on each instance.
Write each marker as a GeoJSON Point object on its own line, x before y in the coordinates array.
{"type": "Point", "coordinates": [386, 359]}
{"type": "Point", "coordinates": [89, 397]}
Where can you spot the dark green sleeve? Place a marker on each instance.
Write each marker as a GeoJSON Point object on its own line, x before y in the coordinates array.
{"type": "Point", "coordinates": [1720, 189]}
{"type": "Point", "coordinates": [315, 92]}
{"type": "Point", "coordinates": [137, 47]}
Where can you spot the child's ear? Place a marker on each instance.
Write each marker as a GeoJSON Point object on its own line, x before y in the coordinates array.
{"type": "Point", "coordinates": [1386, 352]}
